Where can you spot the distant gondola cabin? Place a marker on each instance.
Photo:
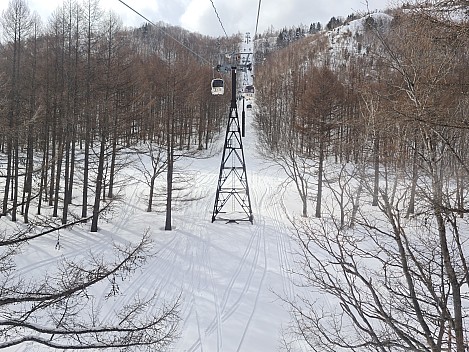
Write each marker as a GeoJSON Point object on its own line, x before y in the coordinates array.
{"type": "Point", "coordinates": [218, 86]}
{"type": "Point", "coordinates": [249, 91]}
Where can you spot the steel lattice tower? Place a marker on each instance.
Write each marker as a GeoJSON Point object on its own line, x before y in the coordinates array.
{"type": "Point", "coordinates": [233, 182]}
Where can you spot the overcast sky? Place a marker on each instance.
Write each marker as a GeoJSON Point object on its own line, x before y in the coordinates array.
{"type": "Point", "coordinates": [236, 15]}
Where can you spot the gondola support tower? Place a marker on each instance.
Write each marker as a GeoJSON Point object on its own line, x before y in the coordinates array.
{"type": "Point", "coordinates": [232, 187]}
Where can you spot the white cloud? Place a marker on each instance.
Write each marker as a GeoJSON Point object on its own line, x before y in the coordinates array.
{"type": "Point", "coordinates": [236, 15]}
{"type": "Point", "coordinates": [194, 14]}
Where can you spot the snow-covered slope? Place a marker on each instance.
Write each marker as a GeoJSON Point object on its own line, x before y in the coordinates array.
{"type": "Point", "coordinates": [231, 277]}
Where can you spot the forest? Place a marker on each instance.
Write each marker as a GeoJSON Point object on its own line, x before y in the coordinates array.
{"type": "Point", "coordinates": [377, 116]}
{"type": "Point", "coordinates": [86, 84]}
{"type": "Point", "coordinates": [368, 118]}
{"type": "Point", "coordinates": [78, 96]}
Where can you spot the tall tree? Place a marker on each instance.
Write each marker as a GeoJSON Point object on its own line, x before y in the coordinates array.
{"type": "Point", "coordinates": [321, 106]}
{"type": "Point", "coordinates": [109, 94]}
{"type": "Point", "coordinates": [17, 22]}
{"type": "Point", "coordinates": [92, 14]}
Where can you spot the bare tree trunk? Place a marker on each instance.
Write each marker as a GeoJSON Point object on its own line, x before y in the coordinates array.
{"type": "Point", "coordinates": [376, 168]}
{"type": "Point", "coordinates": [150, 197]}
{"type": "Point", "coordinates": [99, 184]}
{"type": "Point", "coordinates": [320, 177]}
{"type": "Point", "coordinates": [90, 12]}
{"type": "Point", "coordinates": [72, 167]}
{"type": "Point", "coordinates": [66, 178]}
{"type": "Point", "coordinates": [43, 183]}
{"type": "Point", "coordinates": [15, 178]}
{"type": "Point", "coordinates": [28, 184]}
{"type": "Point", "coordinates": [58, 174]}
{"type": "Point", "coordinates": [169, 188]}
{"type": "Point", "coordinates": [453, 279]}
{"type": "Point", "coordinates": [170, 168]}
{"type": "Point", "coordinates": [86, 163]}
{"type": "Point", "coordinates": [113, 152]}
{"type": "Point", "coordinates": [8, 177]}
{"type": "Point", "coordinates": [413, 188]}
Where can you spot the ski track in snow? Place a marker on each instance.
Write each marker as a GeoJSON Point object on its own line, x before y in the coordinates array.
{"type": "Point", "coordinates": [284, 247]}
{"type": "Point", "coordinates": [246, 280]}
{"type": "Point", "coordinates": [227, 310]}
{"type": "Point", "coordinates": [246, 329]}
{"type": "Point", "coordinates": [76, 243]}
{"type": "Point", "coordinates": [259, 233]}
{"type": "Point", "coordinates": [235, 292]}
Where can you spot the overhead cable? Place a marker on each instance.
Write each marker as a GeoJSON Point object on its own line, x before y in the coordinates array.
{"type": "Point", "coordinates": [165, 32]}
{"type": "Point", "coordinates": [257, 21]}
{"type": "Point", "coordinates": [218, 16]}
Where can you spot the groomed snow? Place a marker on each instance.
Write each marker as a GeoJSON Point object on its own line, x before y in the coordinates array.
{"type": "Point", "coordinates": [230, 276]}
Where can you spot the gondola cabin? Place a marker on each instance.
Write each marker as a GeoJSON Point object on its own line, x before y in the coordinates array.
{"type": "Point", "coordinates": [218, 86]}
{"type": "Point", "coordinates": [249, 91]}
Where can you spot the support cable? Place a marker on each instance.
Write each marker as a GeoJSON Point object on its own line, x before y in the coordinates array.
{"type": "Point", "coordinates": [166, 33]}
{"type": "Point", "coordinates": [257, 21]}
{"type": "Point", "coordinates": [218, 16]}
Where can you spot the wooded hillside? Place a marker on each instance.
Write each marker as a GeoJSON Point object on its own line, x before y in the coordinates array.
{"type": "Point", "coordinates": [383, 102]}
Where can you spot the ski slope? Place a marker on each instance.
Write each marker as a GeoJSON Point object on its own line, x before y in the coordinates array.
{"type": "Point", "coordinates": [232, 274]}
{"type": "Point", "coordinates": [231, 277]}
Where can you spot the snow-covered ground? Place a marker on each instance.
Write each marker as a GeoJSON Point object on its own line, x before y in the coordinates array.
{"type": "Point", "coordinates": [231, 276]}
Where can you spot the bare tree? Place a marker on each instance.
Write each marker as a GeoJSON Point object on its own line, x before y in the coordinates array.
{"type": "Point", "coordinates": [17, 23]}
{"type": "Point", "coordinates": [396, 282]}
{"type": "Point", "coordinates": [151, 170]}
{"type": "Point", "coordinates": [278, 97]}
{"type": "Point", "coordinates": [381, 281]}
{"type": "Point", "coordinates": [320, 108]}
{"type": "Point", "coordinates": [48, 309]}
{"type": "Point", "coordinates": [107, 114]}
